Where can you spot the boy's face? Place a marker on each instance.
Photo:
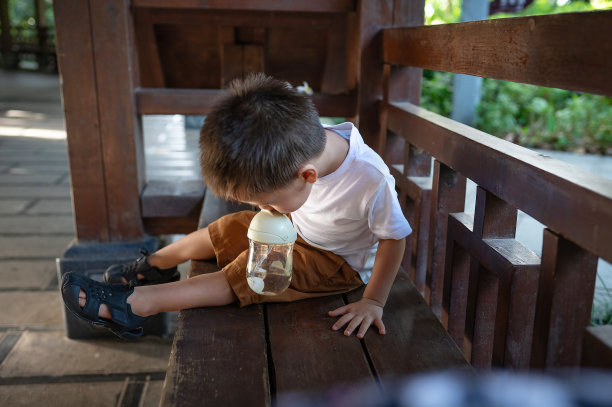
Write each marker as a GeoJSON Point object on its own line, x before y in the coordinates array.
{"type": "Point", "coordinates": [287, 199]}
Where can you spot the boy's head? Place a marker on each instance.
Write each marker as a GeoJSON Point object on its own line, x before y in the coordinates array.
{"type": "Point", "coordinates": [258, 137]}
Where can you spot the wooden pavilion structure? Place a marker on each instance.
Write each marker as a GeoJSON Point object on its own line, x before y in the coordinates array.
{"type": "Point", "coordinates": [501, 304]}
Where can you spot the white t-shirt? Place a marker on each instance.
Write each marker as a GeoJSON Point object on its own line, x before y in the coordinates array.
{"type": "Point", "coordinates": [349, 210]}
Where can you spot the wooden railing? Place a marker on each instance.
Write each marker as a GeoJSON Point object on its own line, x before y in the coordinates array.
{"type": "Point", "coordinates": [501, 303]}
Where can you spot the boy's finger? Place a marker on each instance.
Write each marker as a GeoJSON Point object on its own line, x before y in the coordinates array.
{"type": "Point", "coordinates": [381, 326]}
{"type": "Point", "coordinates": [342, 321]}
{"type": "Point", "coordinates": [353, 325]}
{"type": "Point", "coordinates": [337, 311]}
{"type": "Point", "coordinates": [364, 327]}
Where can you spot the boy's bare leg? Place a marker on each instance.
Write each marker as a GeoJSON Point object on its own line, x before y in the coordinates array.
{"type": "Point", "coordinates": [205, 290]}
{"type": "Point", "coordinates": [195, 246]}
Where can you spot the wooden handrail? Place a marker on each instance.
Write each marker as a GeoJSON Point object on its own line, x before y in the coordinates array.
{"type": "Point", "coordinates": [553, 192]}
{"type": "Point", "coordinates": [549, 50]}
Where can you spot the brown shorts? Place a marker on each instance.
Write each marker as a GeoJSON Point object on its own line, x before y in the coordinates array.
{"type": "Point", "coordinates": [316, 272]}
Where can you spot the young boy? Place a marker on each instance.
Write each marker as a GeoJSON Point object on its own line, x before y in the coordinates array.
{"type": "Point", "coordinates": [264, 145]}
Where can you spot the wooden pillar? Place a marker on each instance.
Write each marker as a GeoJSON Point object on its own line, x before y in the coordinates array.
{"type": "Point", "coordinates": [405, 83]}
{"type": "Point", "coordinates": [96, 61]}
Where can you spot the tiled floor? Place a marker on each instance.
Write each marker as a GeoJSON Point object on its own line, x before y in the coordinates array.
{"type": "Point", "coordinates": [38, 364]}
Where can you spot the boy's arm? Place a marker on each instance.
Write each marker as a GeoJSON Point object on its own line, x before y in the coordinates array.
{"type": "Point", "coordinates": [369, 309]}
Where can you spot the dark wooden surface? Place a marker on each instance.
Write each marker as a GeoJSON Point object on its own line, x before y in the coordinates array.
{"type": "Point", "coordinates": [597, 352]}
{"type": "Point", "coordinates": [551, 50]}
{"type": "Point", "coordinates": [553, 192]}
{"type": "Point", "coordinates": [247, 356]}
{"type": "Point", "coordinates": [302, 5]}
{"type": "Point", "coordinates": [79, 95]}
{"type": "Point", "coordinates": [201, 101]}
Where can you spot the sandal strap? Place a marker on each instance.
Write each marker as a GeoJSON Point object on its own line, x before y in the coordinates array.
{"type": "Point", "coordinates": [122, 320]}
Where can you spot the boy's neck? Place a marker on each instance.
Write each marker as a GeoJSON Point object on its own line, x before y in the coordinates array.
{"type": "Point", "coordinates": [333, 155]}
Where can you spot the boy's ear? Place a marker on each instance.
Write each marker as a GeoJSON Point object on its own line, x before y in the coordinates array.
{"type": "Point", "coordinates": [308, 173]}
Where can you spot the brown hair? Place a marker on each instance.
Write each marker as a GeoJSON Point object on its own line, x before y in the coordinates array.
{"type": "Point", "coordinates": [257, 137]}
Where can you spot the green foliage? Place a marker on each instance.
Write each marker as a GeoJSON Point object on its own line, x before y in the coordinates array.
{"type": "Point", "coordinates": [437, 94]}
{"type": "Point", "coordinates": [442, 11]}
{"type": "Point", "coordinates": [531, 116]}
{"type": "Point", "coordinates": [601, 313]}
{"type": "Point", "coordinates": [539, 7]}
{"type": "Point", "coordinates": [548, 118]}
{"type": "Point", "coordinates": [525, 114]}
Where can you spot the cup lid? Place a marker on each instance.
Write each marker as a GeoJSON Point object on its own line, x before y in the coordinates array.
{"type": "Point", "coordinates": [271, 228]}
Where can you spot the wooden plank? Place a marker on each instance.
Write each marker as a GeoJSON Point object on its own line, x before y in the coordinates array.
{"type": "Point", "coordinates": [307, 355]}
{"type": "Point", "coordinates": [521, 315]}
{"type": "Point", "coordinates": [565, 299]}
{"type": "Point", "coordinates": [455, 300]}
{"type": "Point", "coordinates": [176, 101]}
{"type": "Point", "coordinates": [122, 150]}
{"type": "Point", "coordinates": [320, 6]}
{"type": "Point", "coordinates": [550, 50]}
{"type": "Point", "coordinates": [448, 196]}
{"type": "Point", "coordinates": [401, 83]}
{"type": "Point", "coordinates": [240, 18]}
{"type": "Point", "coordinates": [148, 54]}
{"type": "Point", "coordinates": [415, 341]}
{"type": "Point", "coordinates": [218, 357]}
{"type": "Point", "coordinates": [571, 201]}
{"type": "Point", "coordinates": [171, 225]}
{"type": "Point", "coordinates": [493, 290]}
{"type": "Point", "coordinates": [212, 356]}
{"type": "Point", "coordinates": [485, 320]}
{"type": "Point", "coordinates": [414, 194]}
{"type": "Point", "coordinates": [372, 16]}
{"type": "Point", "coordinates": [334, 73]}
{"type": "Point", "coordinates": [79, 95]}
{"type": "Point", "coordinates": [406, 81]}
{"type": "Point", "coordinates": [597, 347]}
{"type": "Point", "coordinates": [166, 198]}
{"type": "Point", "coordinates": [493, 217]}
{"type": "Point", "coordinates": [190, 55]}
{"type": "Point", "coordinates": [201, 101]}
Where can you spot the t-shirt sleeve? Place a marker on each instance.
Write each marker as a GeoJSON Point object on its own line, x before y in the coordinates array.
{"type": "Point", "coordinates": [386, 219]}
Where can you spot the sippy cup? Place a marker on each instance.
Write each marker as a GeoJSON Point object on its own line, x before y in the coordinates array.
{"type": "Point", "coordinates": [271, 237]}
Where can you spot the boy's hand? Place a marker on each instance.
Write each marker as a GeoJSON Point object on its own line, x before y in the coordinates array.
{"type": "Point", "coordinates": [362, 313]}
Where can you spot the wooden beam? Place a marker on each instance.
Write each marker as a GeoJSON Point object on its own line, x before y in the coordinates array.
{"type": "Point", "coordinates": [80, 99]}
{"type": "Point", "coordinates": [574, 203]}
{"type": "Point", "coordinates": [552, 50]}
{"type": "Point", "coordinates": [201, 101]}
{"type": "Point", "coordinates": [122, 150]}
{"type": "Point", "coordinates": [404, 83]}
{"type": "Point", "coordinates": [320, 6]}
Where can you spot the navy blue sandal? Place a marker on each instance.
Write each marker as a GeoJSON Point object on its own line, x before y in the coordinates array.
{"type": "Point", "coordinates": [120, 273]}
{"type": "Point", "coordinates": [123, 322]}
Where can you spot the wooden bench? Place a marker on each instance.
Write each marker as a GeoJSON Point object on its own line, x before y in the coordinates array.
{"type": "Point", "coordinates": [502, 305]}
{"type": "Point", "coordinates": [481, 292]}
{"type": "Point", "coordinates": [235, 356]}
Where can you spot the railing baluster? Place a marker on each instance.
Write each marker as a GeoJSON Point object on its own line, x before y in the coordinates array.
{"type": "Point", "coordinates": [448, 195]}
{"type": "Point", "coordinates": [565, 298]}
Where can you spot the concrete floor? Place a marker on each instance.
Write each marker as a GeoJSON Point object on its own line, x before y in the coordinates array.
{"type": "Point", "coordinates": [38, 364]}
